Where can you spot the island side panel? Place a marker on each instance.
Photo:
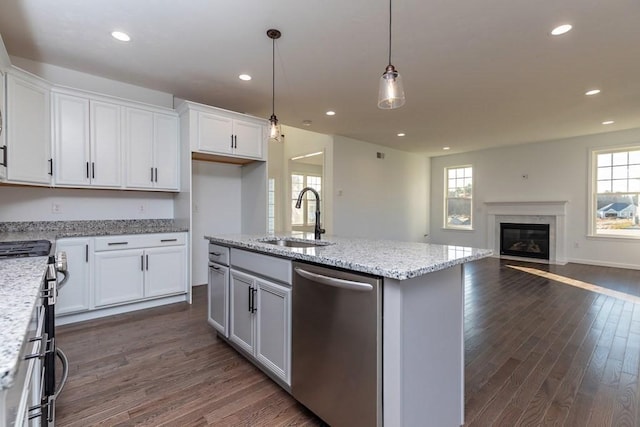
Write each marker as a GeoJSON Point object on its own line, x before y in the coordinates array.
{"type": "Point", "coordinates": [423, 350]}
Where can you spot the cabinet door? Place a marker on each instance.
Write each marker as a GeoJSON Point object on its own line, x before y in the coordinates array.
{"type": "Point", "coordinates": [28, 131]}
{"type": "Point", "coordinates": [139, 148]}
{"type": "Point", "coordinates": [165, 271]}
{"type": "Point", "coordinates": [71, 140]}
{"type": "Point", "coordinates": [273, 328]}
{"type": "Point", "coordinates": [118, 277]}
{"type": "Point", "coordinates": [166, 151]}
{"type": "Point", "coordinates": [3, 124]}
{"type": "Point", "coordinates": [215, 133]}
{"type": "Point", "coordinates": [74, 296]}
{"type": "Point", "coordinates": [241, 324]}
{"type": "Point", "coordinates": [106, 154]}
{"type": "Point", "coordinates": [248, 139]}
{"type": "Point", "coordinates": [218, 293]}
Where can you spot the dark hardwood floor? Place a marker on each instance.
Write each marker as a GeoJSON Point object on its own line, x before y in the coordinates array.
{"type": "Point", "coordinates": [544, 345]}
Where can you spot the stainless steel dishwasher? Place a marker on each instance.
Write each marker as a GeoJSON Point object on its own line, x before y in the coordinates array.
{"type": "Point", "coordinates": [336, 359]}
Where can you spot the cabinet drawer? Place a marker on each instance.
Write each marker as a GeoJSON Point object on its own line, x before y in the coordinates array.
{"type": "Point", "coordinates": [264, 265]}
{"type": "Point", "coordinates": [219, 254]}
{"type": "Point", "coordinates": [136, 241]}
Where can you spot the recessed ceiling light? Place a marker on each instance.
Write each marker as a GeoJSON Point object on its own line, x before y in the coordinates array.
{"type": "Point", "coordinates": [562, 29]}
{"type": "Point", "coordinates": [245, 77]}
{"type": "Point", "coordinates": [446, 148]}
{"type": "Point", "coordinates": [306, 122]}
{"type": "Point", "coordinates": [119, 35]}
{"type": "Point", "coordinates": [592, 92]}
{"type": "Point", "coordinates": [402, 134]}
{"type": "Point", "coordinates": [330, 113]}
{"type": "Point", "coordinates": [608, 122]}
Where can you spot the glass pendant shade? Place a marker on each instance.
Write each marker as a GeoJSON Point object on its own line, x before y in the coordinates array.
{"type": "Point", "coordinates": [391, 91]}
{"type": "Point", "coordinates": [275, 133]}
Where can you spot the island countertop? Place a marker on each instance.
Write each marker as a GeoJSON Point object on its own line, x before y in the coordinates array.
{"type": "Point", "coordinates": [386, 258]}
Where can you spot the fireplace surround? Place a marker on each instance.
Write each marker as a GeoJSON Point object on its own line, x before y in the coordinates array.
{"type": "Point", "coordinates": [552, 213]}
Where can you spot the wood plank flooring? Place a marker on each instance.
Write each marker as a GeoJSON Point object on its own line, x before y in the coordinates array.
{"type": "Point", "coordinates": [540, 349]}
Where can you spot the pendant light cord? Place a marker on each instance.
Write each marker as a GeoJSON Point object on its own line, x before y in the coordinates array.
{"type": "Point", "coordinates": [389, 32]}
{"type": "Point", "coordinates": [273, 77]}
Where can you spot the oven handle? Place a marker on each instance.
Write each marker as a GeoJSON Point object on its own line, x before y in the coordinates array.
{"type": "Point", "coordinates": [65, 277]}
{"type": "Point", "coordinates": [65, 371]}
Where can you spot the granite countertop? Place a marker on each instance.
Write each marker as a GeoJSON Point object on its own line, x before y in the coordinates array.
{"type": "Point", "coordinates": [386, 258]}
{"type": "Point", "coordinates": [20, 278]}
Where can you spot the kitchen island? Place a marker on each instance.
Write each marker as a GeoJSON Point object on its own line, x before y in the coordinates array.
{"type": "Point", "coordinates": [421, 361]}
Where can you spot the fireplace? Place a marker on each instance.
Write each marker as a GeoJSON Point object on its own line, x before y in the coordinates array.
{"type": "Point", "coordinates": [524, 240]}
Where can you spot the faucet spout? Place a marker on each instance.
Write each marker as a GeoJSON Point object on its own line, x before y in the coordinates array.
{"type": "Point", "coordinates": [318, 230]}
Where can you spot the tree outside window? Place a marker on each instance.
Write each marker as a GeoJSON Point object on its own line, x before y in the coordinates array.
{"type": "Point", "coordinates": [458, 197]}
{"type": "Point", "coordinates": [615, 210]}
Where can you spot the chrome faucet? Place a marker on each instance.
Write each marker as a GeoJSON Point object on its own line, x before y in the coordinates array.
{"type": "Point", "coordinates": [317, 230]}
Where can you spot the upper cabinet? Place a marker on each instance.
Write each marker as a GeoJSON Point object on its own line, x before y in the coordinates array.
{"type": "Point", "coordinates": [152, 149]}
{"type": "Point", "coordinates": [87, 142]}
{"type": "Point", "coordinates": [225, 133]}
{"type": "Point", "coordinates": [28, 130]}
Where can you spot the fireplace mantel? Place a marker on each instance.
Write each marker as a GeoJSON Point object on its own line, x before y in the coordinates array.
{"type": "Point", "coordinates": [551, 212]}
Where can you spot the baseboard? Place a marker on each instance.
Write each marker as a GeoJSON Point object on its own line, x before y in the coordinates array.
{"type": "Point", "coordinates": [605, 263]}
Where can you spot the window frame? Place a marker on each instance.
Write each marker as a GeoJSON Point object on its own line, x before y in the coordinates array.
{"type": "Point", "coordinates": [306, 225]}
{"type": "Point", "coordinates": [445, 200]}
{"type": "Point", "coordinates": [592, 231]}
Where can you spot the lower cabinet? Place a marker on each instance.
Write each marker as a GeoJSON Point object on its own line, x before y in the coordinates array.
{"type": "Point", "coordinates": [260, 321]}
{"type": "Point", "coordinates": [75, 294]}
{"type": "Point", "coordinates": [218, 293]}
{"type": "Point", "coordinates": [113, 271]}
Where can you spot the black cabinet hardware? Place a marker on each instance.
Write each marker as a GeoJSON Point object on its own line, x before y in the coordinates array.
{"type": "Point", "coordinates": [168, 240]}
{"type": "Point", "coordinates": [86, 253]}
{"type": "Point", "coordinates": [147, 262]}
{"type": "Point", "coordinates": [142, 262]}
{"type": "Point", "coordinates": [93, 170]}
{"type": "Point", "coordinates": [117, 243]}
{"type": "Point", "coordinates": [4, 156]}
{"type": "Point", "coordinates": [51, 167]}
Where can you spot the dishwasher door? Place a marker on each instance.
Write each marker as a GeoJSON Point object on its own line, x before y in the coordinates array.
{"type": "Point", "coordinates": [336, 345]}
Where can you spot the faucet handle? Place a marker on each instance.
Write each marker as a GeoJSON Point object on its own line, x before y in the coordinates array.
{"type": "Point", "coordinates": [322, 231]}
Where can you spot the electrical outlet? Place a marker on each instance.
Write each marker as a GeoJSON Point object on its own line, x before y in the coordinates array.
{"type": "Point", "coordinates": [142, 208]}
{"type": "Point", "coordinates": [56, 208]}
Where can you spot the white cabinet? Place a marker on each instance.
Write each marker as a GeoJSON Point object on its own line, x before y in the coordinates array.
{"type": "Point", "coordinates": [87, 142]}
{"type": "Point", "coordinates": [74, 296]}
{"type": "Point", "coordinates": [136, 267]}
{"type": "Point", "coordinates": [224, 133]}
{"type": "Point", "coordinates": [3, 132]}
{"type": "Point", "coordinates": [218, 295]}
{"type": "Point", "coordinates": [28, 128]}
{"type": "Point", "coordinates": [152, 150]}
{"type": "Point", "coordinates": [260, 321]}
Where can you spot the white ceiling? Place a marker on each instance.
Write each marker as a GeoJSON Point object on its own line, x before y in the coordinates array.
{"type": "Point", "coordinates": [477, 73]}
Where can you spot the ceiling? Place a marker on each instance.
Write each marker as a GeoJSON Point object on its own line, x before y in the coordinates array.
{"type": "Point", "coordinates": [477, 74]}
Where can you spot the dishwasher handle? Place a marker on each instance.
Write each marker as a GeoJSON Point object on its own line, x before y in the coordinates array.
{"type": "Point", "coordinates": [333, 281]}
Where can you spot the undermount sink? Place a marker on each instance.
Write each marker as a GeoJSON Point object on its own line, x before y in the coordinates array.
{"type": "Point", "coordinates": [290, 243]}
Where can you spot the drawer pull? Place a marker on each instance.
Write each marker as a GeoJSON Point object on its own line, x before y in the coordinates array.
{"type": "Point", "coordinates": [168, 240]}
{"type": "Point", "coordinates": [215, 253]}
{"type": "Point", "coordinates": [118, 243]}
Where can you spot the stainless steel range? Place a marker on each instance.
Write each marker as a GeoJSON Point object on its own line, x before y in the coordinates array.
{"type": "Point", "coordinates": [50, 388]}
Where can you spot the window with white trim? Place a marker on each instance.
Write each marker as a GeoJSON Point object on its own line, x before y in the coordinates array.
{"type": "Point", "coordinates": [614, 210]}
{"type": "Point", "coordinates": [458, 197]}
{"type": "Point", "coordinates": [304, 218]}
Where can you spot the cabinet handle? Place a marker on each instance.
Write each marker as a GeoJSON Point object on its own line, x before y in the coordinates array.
{"type": "Point", "coordinates": [215, 253]}
{"type": "Point", "coordinates": [231, 140]}
{"type": "Point", "coordinates": [4, 156]}
{"type": "Point", "coordinates": [254, 291]}
{"type": "Point", "coordinates": [51, 167]}
{"type": "Point", "coordinates": [235, 141]}
{"type": "Point", "coordinates": [147, 262]}
{"type": "Point", "coordinates": [168, 240]}
{"type": "Point", "coordinates": [142, 262]}
{"type": "Point", "coordinates": [214, 267]}
{"type": "Point", "coordinates": [93, 170]}
{"type": "Point", "coordinates": [151, 174]}
{"type": "Point", "coordinates": [250, 298]}
{"type": "Point", "coordinates": [86, 253]}
{"type": "Point", "coordinates": [87, 170]}
{"type": "Point", "coordinates": [156, 174]}
{"type": "Point", "coordinates": [117, 243]}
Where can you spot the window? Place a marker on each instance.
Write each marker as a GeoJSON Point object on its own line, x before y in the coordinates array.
{"type": "Point", "coordinates": [615, 191]}
{"type": "Point", "coordinates": [271, 206]}
{"type": "Point", "coordinates": [458, 196]}
{"type": "Point", "coordinates": [306, 215]}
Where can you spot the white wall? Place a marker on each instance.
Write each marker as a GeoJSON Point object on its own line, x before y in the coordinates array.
{"type": "Point", "coordinates": [216, 195]}
{"type": "Point", "coordinates": [557, 170]}
{"type": "Point", "coordinates": [379, 198]}
{"type": "Point", "coordinates": [78, 80]}
{"type": "Point", "coordinates": [21, 203]}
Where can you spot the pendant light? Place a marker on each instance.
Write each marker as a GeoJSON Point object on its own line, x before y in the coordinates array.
{"type": "Point", "coordinates": [391, 92]}
{"type": "Point", "coordinates": [275, 135]}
